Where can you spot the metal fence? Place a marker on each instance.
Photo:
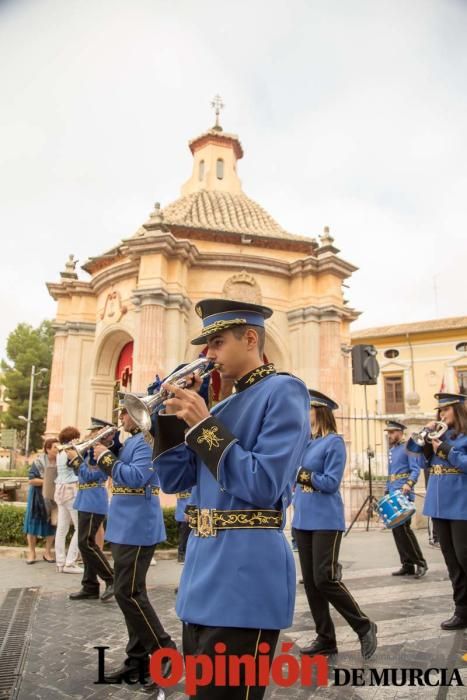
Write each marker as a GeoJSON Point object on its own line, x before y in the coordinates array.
{"type": "Point", "coordinates": [363, 437]}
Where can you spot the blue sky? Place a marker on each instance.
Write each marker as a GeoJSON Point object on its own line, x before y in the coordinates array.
{"type": "Point", "coordinates": [351, 114]}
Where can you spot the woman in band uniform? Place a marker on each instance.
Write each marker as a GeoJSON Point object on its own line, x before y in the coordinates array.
{"type": "Point", "coordinates": [446, 497]}
{"type": "Point", "coordinates": [318, 524]}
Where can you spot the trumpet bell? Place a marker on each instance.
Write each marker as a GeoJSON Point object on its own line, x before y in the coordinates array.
{"type": "Point", "coordinates": [141, 409]}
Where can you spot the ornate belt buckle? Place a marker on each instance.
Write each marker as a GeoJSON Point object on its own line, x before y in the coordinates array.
{"type": "Point", "coordinates": [205, 527]}
{"type": "Point", "coordinates": [438, 470]}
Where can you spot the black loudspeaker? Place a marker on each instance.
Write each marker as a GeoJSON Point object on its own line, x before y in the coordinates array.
{"type": "Point", "coordinates": [365, 368]}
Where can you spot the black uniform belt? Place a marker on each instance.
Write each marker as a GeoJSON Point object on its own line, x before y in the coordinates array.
{"type": "Point", "coordinates": [183, 494]}
{"type": "Point", "coordinates": [89, 485]}
{"type": "Point", "coordinates": [127, 491]}
{"type": "Point", "coordinates": [440, 469]}
{"type": "Point", "coordinates": [395, 477]}
{"type": "Point", "coordinates": [206, 521]}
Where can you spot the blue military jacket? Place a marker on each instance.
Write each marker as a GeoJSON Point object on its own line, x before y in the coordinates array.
{"type": "Point", "coordinates": [318, 502]}
{"type": "Point", "coordinates": [403, 467]}
{"type": "Point", "coordinates": [183, 499]}
{"type": "Point", "coordinates": [446, 493]}
{"type": "Point", "coordinates": [242, 458]}
{"type": "Point", "coordinates": [135, 515]}
{"type": "Point", "coordinates": [92, 495]}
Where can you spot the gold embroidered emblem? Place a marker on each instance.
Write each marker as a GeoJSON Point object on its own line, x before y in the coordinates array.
{"type": "Point", "coordinates": [437, 469]}
{"type": "Point", "coordinates": [307, 489]}
{"type": "Point", "coordinates": [107, 460]}
{"type": "Point", "coordinates": [304, 476]}
{"type": "Point", "coordinates": [209, 436]}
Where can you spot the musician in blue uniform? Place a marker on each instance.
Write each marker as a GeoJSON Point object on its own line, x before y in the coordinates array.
{"type": "Point", "coordinates": [91, 503]}
{"type": "Point", "coordinates": [238, 583]}
{"type": "Point", "coordinates": [446, 496]}
{"type": "Point", "coordinates": [183, 499]}
{"type": "Point", "coordinates": [403, 472]}
{"type": "Point", "coordinates": [135, 525]}
{"type": "Point", "coordinates": [318, 525]}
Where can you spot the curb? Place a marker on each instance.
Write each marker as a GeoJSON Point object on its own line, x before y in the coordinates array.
{"type": "Point", "coordinates": [22, 553]}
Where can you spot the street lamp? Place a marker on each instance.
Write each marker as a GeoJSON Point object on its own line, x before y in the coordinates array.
{"type": "Point", "coordinates": [28, 420]}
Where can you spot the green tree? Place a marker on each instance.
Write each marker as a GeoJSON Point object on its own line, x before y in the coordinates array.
{"type": "Point", "coordinates": [27, 346]}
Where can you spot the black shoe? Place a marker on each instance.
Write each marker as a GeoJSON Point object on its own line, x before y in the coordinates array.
{"type": "Point", "coordinates": [320, 647]}
{"type": "Point", "coordinates": [83, 595]}
{"type": "Point", "coordinates": [454, 623]}
{"type": "Point", "coordinates": [129, 670]}
{"type": "Point", "coordinates": [176, 590]}
{"type": "Point", "coordinates": [405, 571]}
{"type": "Point", "coordinates": [181, 557]}
{"type": "Point", "coordinates": [108, 593]}
{"type": "Point", "coordinates": [421, 570]}
{"type": "Point", "coordinates": [368, 642]}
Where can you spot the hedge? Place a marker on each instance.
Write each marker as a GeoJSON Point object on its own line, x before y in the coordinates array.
{"type": "Point", "coordinates": [12, 517]}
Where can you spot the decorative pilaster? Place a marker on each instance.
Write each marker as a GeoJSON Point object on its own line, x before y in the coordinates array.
{"type": "Point", "coordinates": [55, 405]}
{"type": "Point", "coordinates": [332, 377]}
{"type": "Point", "coordinates": [149, 352]}
{"type": "Point", "coordinates": [69, 395]}
{"type": "Point", "coordinates": [304, 344]}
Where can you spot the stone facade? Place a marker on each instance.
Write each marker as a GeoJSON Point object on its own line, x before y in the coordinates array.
{"type": "Point", "coordinates": [212, 242]}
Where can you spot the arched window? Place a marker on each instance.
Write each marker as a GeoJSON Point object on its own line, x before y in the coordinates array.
{"type": "Point", "coordinates": [461, 347]}
{"type": "Point", "coordinates": [391, 353]}
{"type": "Point", "coordinates": [201, 170]}
{"type": "Point", "coordinates": [220, 169]}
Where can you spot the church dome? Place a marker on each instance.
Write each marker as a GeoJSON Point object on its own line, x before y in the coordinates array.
{"type": "Point", "coordinates": [217, 210]}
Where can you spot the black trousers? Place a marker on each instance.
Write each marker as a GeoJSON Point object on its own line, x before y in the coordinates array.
{"type": "Point", "coordinates": [183, 534]}
{"type": "Point", "coordinates": [200, 639]}
{"type": "Point", "coordinates": [319, 552]}
{"type": "Point", "coordinates": [145, 630]}
{"type": "Point", "coordinates": [94, 560]}
{"type": "Point", "coordinates": [453, 540]}
{"type": "Point", "coordinates": [432, 529]}
{"type": "Point", "coordinates": [407, 545]}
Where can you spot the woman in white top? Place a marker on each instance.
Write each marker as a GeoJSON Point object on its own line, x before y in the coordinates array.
{"type": "Point", "coordinates": [66, 488]}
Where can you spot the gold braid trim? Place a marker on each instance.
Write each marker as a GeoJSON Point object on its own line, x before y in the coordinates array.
{"type": "Point", "coordinates": [221, 326]}
{"type": "Point", "coordinates": [127, 491]}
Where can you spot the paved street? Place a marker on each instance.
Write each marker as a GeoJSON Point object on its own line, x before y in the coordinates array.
{"type": "Point", "coordinates": [60, 661]}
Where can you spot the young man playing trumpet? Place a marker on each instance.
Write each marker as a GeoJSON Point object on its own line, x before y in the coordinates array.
{"type": "Point", "coordinates": [238, 583]}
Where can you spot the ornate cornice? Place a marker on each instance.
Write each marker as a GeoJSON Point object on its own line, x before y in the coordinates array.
{"type": "Point", "coordinates": [161, 242]}
{"type": "Point", "coordinates": [74, 328]}
{"type": "Point", "coordinates": [329, 312]}
{"type": "Point", "coordinates": [263, 241]}
{"type": "Point", "coordinates": [158, 296]}
{"type": "Point", "coordinates": [68, 288]}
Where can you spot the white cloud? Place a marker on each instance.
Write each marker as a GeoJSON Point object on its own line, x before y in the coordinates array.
{"type": "Point", "coordinates": [352, 115]}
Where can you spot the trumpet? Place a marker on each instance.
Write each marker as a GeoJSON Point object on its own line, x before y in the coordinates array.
{"type": "Point", "coordinates": [141, 409]}
{"type": "Point", "coordinates": [82, 447]}
{"type": "Point", "coordinates": [426, 435]}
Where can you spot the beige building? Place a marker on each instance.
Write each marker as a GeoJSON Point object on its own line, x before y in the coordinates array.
{"type": "Point", "coordinates": [416, 360]}
{"type": "Point", "coordinates": [133, 315]}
